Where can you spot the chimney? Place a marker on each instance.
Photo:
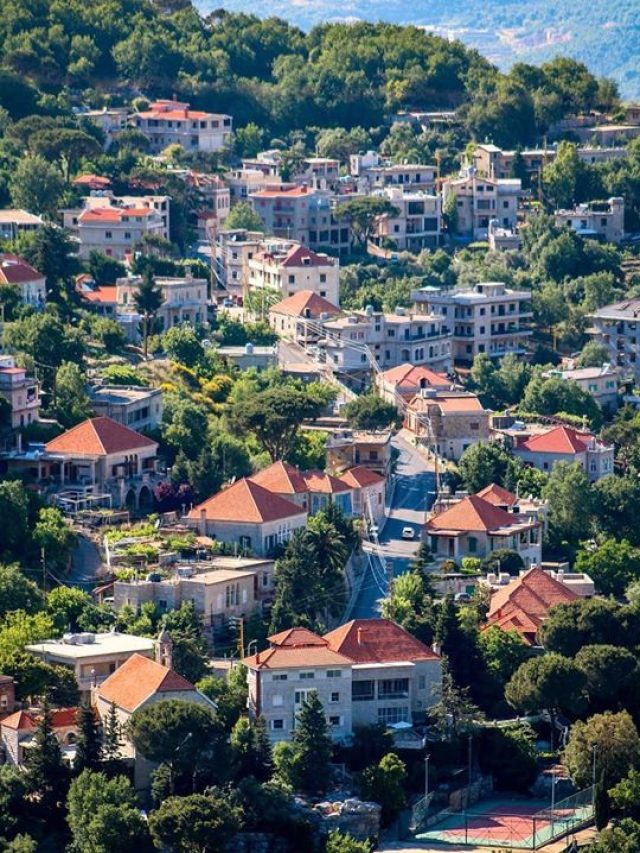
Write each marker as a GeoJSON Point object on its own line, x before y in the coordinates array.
{"type": "Point", "coordinates": [436, 648]}
{"type": "Point", "coordinates": [359, 635]}
{"type": "Point", "coordinates": [203, 522]}
{"type": "Point", "coordinates": [257, 658]}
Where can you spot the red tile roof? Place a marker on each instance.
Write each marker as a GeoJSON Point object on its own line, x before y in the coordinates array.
{"type": "Point", "coordinates": [103, 294]}
{"type": "Point", "coordinates": [94, 182]}
{"type": "Point", "coordinates": [138, 679]}
{"type": "Point", "coordinates": [61, 718]}
{"type": "Point", "coordinates": [296, 637]}
{"type": "Point", "coordinates": [111, 214]}
{"type": "Point", "coordinates": [299, 657]}
{"type": "Point", "coordinates": [246, 502]}
{"type": "Point", "coordinates": [281, 478]}
{"type": "Point", "coordinates": [99, 437]}
{"type": "Point", "coordinates": [473, 513]}
{"type": "Point", "coordinates": [498, 496]}
{"type": "Point", "coordinates": [300, 256]}
{"type": "Point", "coordinates": [560, 439]}
{"type": "Point", "coordinates": [360, 477]}
{"type": "Point", "coordinates": [305, 303]}
{"type": "Point", "coordinates": [410, 376]}
{"type": "Point", "coordinates": [523, 604]}
{"type": "Point", "coordinates": [15, 270]}
{"type": "Point", "coordinates": [20, 721]}
{"type": "Point", "coordinates": [296, 192]}
{"type": "Point", "coordinates": [377, 641]}
{"type": "Point", "coordinates": [321, 483]}
{"type": "Point", "coordinates": [447, 402]}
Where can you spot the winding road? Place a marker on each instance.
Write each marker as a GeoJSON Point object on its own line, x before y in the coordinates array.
{"type": "Point", "coordinates": [410, 499]}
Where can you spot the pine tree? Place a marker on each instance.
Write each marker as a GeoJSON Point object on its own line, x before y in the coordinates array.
{"type": "Point", "coordinates": [312, 747]}
{"type": "Point", "coordinates": [263, 751]}
{"type": "Point", "coordinates": [111, 740]}
{"type": "Point", "coordinates": [47, 773]}
{"type": "Point", "coordinates": [88, 749]}
{"type": "Point", "coordinates": [148, 300]}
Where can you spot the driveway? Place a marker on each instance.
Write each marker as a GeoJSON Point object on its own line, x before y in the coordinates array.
{"type": "Point", "coordinates": [86, 564]}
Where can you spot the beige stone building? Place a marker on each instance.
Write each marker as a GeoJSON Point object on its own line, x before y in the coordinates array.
{"type": "Point", "coordinates": [479, 200]}
{"type": "Point", "coordinates": [300, 317]}
{"type": "Point", "coordinates": [600, 219]}
{"type": "Point", "coordinates": [287, 270]}
{"type": "Point", "coordinates": [448, 422]}
{"type": "Point", "coordinates": [417, 225]}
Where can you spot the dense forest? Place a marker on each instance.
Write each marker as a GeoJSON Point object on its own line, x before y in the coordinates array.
{"type": "Point", "coordinates": [59, 56]}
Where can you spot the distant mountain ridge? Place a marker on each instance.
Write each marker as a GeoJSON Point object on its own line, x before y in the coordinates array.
{"type": "Point", "coordinates": [604, 34]}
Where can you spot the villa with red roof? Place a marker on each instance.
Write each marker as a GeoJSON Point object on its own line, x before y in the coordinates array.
{"type": "Point", "coordinates": [249, 515]}
{"type": "Point", "coordinates": [172, 122]}
{"type": "Point", "coordinates": [565, 444]}
{"type": "Point", "coordinates": [522, 605]}
{"type": "Point", "coordinates": [299, 317]}
{"type": "Point", "coordinates": [366, 672]}
{"type": "Point", "coordinates": [17, 733]}
{"type": "Point", "coordinates": [407, 380]}
{"type": "Point", "coordinates": [106, 461]}
{"type": "Point", "coordinates": [368, 495]}
{"type": "Point", "coordinates": [289, 269]}
{"type": "Point", "coordinates": [31, 284]}
{"type": "Point", "coordinates": [475, 527]}
{"type": "Point", "coordinates": [312, 490]}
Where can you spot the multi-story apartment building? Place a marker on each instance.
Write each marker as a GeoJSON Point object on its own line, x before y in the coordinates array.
{"type": "Point", "coordinates": [480, 200]}
{"type": "Point", "coordinates": [447, 422]}
{"type": "Point", "coordinates": [327, 231]}
{"type": "Point", "coordinates": [601, 382]}
{"type": "Point", "coordinates": [31, 284]}
{"type": "Point", "coordinates": [286, 269]}
{"type": "Point", "coordinates": [391, 339]}
{"type": "Point", "coordinates": [492, 162]}
{"type": "Point", "coordinates": [488, 318]}
{"type": "Point", "coordinates": [244, 182]}
{"type": "Point", "coordinates": [617, 327]}
{"type": "Point", "coordinates": [172, 122]}
{"type": "Point", "coordinates": [15, 222]}
{"type": "Point", "coordinates": [369, 671]}
{"type": "Point", "coordinates": [21, 391]}
{"type": "Point", "coordinates": [319, 172]}
{"type": "Point", "coordinates": [417, 224]}
{"type": "Point", "coordinates": [210, 200]}
{"type": "Point", "coordinates": [284, 210]}
{"type": "Point", "coordinates": [111, 121]}
{"type": "Point", "coordinates": [185, 301]}
{"type": "Point", "coordinates": [601, 219]}
{"type": "Point", "coordinates": [411, 178]}
{"type": "Point", "coordinates": [115, 231]}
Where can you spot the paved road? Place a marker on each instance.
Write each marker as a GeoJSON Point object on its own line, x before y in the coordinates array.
{"type": "Point", "coordinates": [86, 564]}
{"type": "Point", "coordinates": [411, 498]}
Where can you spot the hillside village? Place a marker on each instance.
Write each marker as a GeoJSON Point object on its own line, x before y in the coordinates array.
{"type": "Point", "coordinates": [319, 441]}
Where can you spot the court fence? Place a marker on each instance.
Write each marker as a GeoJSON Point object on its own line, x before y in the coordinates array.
{"type": "Point", "coordinates": [514, 825]}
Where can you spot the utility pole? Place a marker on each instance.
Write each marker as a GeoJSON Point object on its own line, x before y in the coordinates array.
{"type": "Point", "coordinates": [241, 636]}
{"type": "Point", "coordinates": [43, 562]}
{"type": "Point", "coordinates": [426, 780]}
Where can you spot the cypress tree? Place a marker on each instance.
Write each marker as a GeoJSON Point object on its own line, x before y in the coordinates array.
{"type": "Point", "coordinates": [312, 747]}
{"type": "Point", "coordinates": [111, 740]}
{"type": "Point", "coordinates": [88, 749]}
{"type": "Point", "coordinates": [47, 773]}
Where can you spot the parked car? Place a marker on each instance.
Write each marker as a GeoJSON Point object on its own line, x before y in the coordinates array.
{"type": "Point", "coordinates": [408, 533]}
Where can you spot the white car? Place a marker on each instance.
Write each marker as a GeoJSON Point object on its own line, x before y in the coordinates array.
{"type": "Point", "coordinates": [408, 533]}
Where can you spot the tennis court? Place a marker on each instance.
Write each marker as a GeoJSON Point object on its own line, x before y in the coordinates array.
{"type": "Point", "coordinates": [519, 824]}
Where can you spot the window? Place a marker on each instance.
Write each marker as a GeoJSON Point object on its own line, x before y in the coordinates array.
{"type": "Point", "coordinates": [473, 545]}
{"type": "Point", "coordinates": [279, 676]}
{"type": "Point", "coordinates": [300, 696]}
{"type": "Point", "coordinates": [323, 278]}
{"type": "Point", "coordinates": [277, 701]}
{"type": "Point", "coordinates": [393, 688]}
{"type": "Point", "coordinates": [334, 722]}
{"type": "Point", "coordinates": [308, 675]}
{"type": "Point", "coordinates": [277, 724]}
{"type": "Point", "coordinates": [108, 235]}
{"type": "Point", "coordinates": [334, 673]}
{"type": "Point", "coordinates": [362, 691]}
{"type": "Point", "coordinates": [422, 682]}
{"type": "Point", "coordinates": [388, 716]}
{"type": "Point", "coordinates": [335, 697]}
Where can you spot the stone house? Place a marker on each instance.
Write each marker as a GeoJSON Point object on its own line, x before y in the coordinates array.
{"type": "Point", "coordinates": [448, 422]}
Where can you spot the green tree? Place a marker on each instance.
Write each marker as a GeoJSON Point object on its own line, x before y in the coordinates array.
{"type": "Point", "coordinates": [570, 500]}
{"type": "Point", "coordinates": [47, 774]}
{"type": "Point", "coordinates": [384, 784]}
{"type": "Point", "coordinates": [593, 354]}
{"type": "Point", "coordinates": [73, 403]}
{"type": "Point", "coordinates": [274, 417]}
{"type": "Point", "coordinates": [109, 333]}
{"type": "Point", "coordinates": [410, 605]}
{"type": "Point", "coordinates": [52, 252]}
{"type": "Point", "coordinates": [243, 216]}
{"type": "Point", "coordinates": [37, 186]}
{"type": "Point", "coordinates": [613, 676]}
{"type": "Point", "coordinates": [502, 651]}
{"type": "Point", "coordinates": [103, 814]}
{"type": "Point", "coordinates": [625, 796]}
{"type": "Point", "coordinates": [552, 683]}
{"type": "Point", "coordinates": [229, 695]}
{"type": "Point", "coordinates": [553, 395]}
{"type": "Point", "coordinates": [103, 269]}
{"type": "Point", "coordinates": [370, 412]}
{"type": "Point", "coordinates": [200, 823]}
{"type": "Point", "coordinates": [112, 740]}
{"type": "Point", "coordinates": [148, 299]}
{"type": "Point", "coordinates": [621, 838]}
{"type": "Point", "coordinates": [182, 345]}
{"type": "Point", "coordinates": [88, 750]}
{"type": "Point", "coordinates": [570, 626]}
{"type": "Point", "coordinates": [564, 175]}
{"type": "Point", "coordinates": [617, 748]}
{"type": "Point", "coordinates": [362, 214]}
{"type": "Point", "coordinates": [309, 771]}
{"type": "Point", "coordinates": [611, 564]}
{"type": "Point", "coordinates": [52, 534]}
{"type": "Point", "coordinates": [509, 755]}
{"type": "Point", "coordinates": [46, 340]}
{"type": "Point", "coordinates": [339, 843]}
{"type": "Point", "coordinates": [13, 791]}
{"type": "Point", "coordinates": [17, 592]}
{"type": "Point", "coordinates": [483, 464]}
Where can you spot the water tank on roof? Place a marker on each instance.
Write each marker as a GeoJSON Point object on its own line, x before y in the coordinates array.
{"type": "Point", "coordinates": [70, 639]}
{"type": "Point", "coordinates": [86, 638]}
{"type": "Point", "coordinates": [248, 348]}
{"type": "Point", "coordinates": [369, 310]}
{"type": "Point", "coordinates": [154, 577]}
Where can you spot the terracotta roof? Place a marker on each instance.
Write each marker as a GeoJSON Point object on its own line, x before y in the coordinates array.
{"type": "Point", "coordinates": [15, 270]}
{"type": "Point", "coordinates": [305, 302]}
{"type": "Point", "coordinates": [111, 214]}
{"type": "Point", "coordinates": [473, 513]}
{"type": "Point", "coordinates": [19, 721]}
{"type": "Point", "coordinates": [523, 604]}
{"type": "Point", "coordinates": [28, 720]}
{"type": "Point", "coordinates": [322, 483]}
{"type": "Point", "coordinates": [560, 439]}
{"type": "Point", "coordinates": [377, 641]}
{"type": "Point", "coordinates": [497, 496]}
{"type": "Point", "coordinates": [177, 114]}
{"type": "Point", "coordinates": [296, 192]}
{"type": "Point", "coordinates": [246, 502]}
{"type": "Point", "coordinates": [139, 678]}
{"type": "Point", "coordinates": [454, 401]}
{"type": "Point", "coordinates": [281, 478]}
{"type": "Point", "coordinates": [98, 437]}
{"type": "Point", "coordinates": [293, 637]}
{"type": "Point", "coordinates": [410, 376]}
{"type": "Point", "coordinates": [94, 182]}
{"type": "Point", "coordinates": [360, 476]}
{"type": "Point", "coordinates": [105, 293]}
{"type": "Point", "coordinates": [298, 657]}
{"type": "Point", "coordinates": [300, 256]}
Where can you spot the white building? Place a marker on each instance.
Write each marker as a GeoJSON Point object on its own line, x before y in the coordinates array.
{"type": "Point", "coordinates": [185, 301]}
{"type": "Point", "coordinates": [15, 222]}
{"type": "Point", "coordinates": [600, 219]}
{"type": "Point", "coordinates": [480, 200]}
{"type": "Point", "coordinates": [417, 224]}
{"type": "Point", "coordinates": [617, 327]}
{"type": "Point", "coordinates": [30, 283]}
{"type": "Point", "coordinates": [172, 122]}
{"type": "Point", "coordinates": [132, 406]}
{"type": "Point", "coordinates": [488, 318]}
{"type": "Point", "coordinates": [22, 392]}
{"type": "Point", "coordinates": [288, 268]}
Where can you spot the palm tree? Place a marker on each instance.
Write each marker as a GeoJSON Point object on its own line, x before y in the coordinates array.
{"type": "Point", "coordinates": [148, 300]}
{"type": "Point", "coordinates": [328, 555]}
